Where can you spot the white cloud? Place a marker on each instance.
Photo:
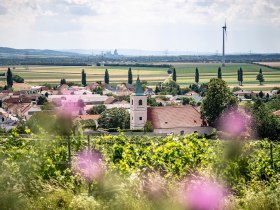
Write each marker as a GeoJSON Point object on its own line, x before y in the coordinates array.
{"type": "Point", "coordinates": [147, 24]}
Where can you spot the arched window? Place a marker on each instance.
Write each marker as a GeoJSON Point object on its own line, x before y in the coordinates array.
{"type": "Point", "coordinates": [140, 102]}
{"type": "Point", "coordinates": [132, 102]}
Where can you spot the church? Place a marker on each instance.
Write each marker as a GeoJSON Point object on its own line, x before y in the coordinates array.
{"type": "Point", "coordinates": [167, 119]}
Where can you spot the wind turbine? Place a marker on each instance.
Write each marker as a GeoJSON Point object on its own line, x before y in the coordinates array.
{"type": "Point", "coordinates": [224, 34]}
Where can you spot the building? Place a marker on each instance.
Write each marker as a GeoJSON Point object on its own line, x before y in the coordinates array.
{"type": "Point", "coordinates": [165, 120]}
{"type": "Point", "coordinates": [177, 120]}
{"type": "Point", "coordinates": [138, 107]}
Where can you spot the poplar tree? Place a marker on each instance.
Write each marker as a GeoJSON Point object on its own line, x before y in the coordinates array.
{"type": "Point", "coordinates": [196, 75]}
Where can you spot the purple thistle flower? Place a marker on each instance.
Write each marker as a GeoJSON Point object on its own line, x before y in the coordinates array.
{"type": "Point", "coordinates": [201, 194]}
{"type": "Point", "coordinates": [89, 165]}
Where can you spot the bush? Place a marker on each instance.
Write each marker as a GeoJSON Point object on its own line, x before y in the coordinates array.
{"type": "Point", "coordinates": [18, 79]}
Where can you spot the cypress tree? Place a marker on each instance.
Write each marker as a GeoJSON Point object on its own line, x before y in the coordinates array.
{"type": "Point", "coordinates": [219, 73]}
{"type": "Point", "coordinates": [84, 78]}
{"type": "Point", "coordinates": [260, 71]}
{"type": "Point", "coordinates": [196, 75]}
{"type": "Point", "coordinates": [174, 76]}
{"type": "Point", "coordinates": [241, 76]}
{"type": "Point", "coordinates": [9, 78]}
{"type": "Point", "coordinates": [106, 77]}
{"type": "Point", "coordinates": [129, 80]}
{"type": "Point", "coordinates": [238, 76]}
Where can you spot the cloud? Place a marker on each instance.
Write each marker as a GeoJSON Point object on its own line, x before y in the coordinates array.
{"type": "Point", "coordinates": [3, 10]}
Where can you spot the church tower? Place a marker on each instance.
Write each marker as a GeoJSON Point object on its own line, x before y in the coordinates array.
{"type": "Point", "coordinates": [138, 107]}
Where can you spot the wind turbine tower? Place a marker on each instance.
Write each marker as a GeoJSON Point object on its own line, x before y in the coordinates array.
{"type": "Point", "coordinates": [224, 34]}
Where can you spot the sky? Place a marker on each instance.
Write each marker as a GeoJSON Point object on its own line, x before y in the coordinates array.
{"type": "Point", "coordinates": [158, 25]}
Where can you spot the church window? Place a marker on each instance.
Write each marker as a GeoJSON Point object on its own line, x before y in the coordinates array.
{"type": "Point", "coordinates": [140, 102]}
{"type": "Point", "coordinates": [140, 118]}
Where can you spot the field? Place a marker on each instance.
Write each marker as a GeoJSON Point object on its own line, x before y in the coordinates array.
{"type": "Point", "coordinates": [271, 64]}
{"type": "Point", "coordinates": [35, 75]}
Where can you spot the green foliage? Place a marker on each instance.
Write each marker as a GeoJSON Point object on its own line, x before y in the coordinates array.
{"type": "Point", "coordinates": [219, 73]}
{"type": "Point", "coordinates": [63, 81]}
{"type": "Point", "coordinates": [47, 106]}
{"type": "Point", "coordinates": [234, 89]}
{"type": "Point", "coordinates": [260, 78]}
{"type": "Point", "coordinates": [174, 76]}
{"type": "Point", "coordinates": [129, 79]}
{"type": "Point", "coordinates": [148, 127]}
{"type": "Point", "coordinates": [169, 87]}
{"type": "Point", "coordinates": [35, 172]}
{"type": "Point", "coordinates": [41, 100]}
{"type": "Point", "coordinates": [218, 98]}
{"type": "Point", "coordinates": [151, 101]}
{"type": "Point", "coordinates": [106, 77]}
{"type": "Point", "coordinates": [114, 118]}
{"type": "Point", "coordinates": [196, 76]}
{"type": "Point", "coordinates": [41, 120]}
{"type": "Point", "coordinates": [267, 125]}
{"type": "Point", "coordinates": [97, 109]}
{"type": "Point", "coordinates": [240, 76]}
{"type": "Point", "coordinates": [18, 79]}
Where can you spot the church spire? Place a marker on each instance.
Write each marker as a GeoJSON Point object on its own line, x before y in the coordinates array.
{"type": "Point", "coordinates": [138, 88]}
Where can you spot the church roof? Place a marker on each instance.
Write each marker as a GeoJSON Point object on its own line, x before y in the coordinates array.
{"type": "Point", "coordinates": [138, 88]}
{"type": "Point", "coordinates": [174, 117]}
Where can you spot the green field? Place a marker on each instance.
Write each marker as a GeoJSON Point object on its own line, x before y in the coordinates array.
{"type": "Point", "coordinates": [35, 75]}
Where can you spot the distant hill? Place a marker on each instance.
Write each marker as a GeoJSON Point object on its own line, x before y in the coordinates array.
{"type": "Point", "coordinates": [11, 52]}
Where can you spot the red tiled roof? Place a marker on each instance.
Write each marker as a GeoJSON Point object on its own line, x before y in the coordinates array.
{"type": "Point", "coordinates": [110, 100]}
{"type": "Point", "coordinates": [174, 117]}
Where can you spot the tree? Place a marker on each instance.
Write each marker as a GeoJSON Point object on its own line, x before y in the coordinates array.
{"type": "Point", "coordinates": [260, 71]}
{"type": "Point", "coordinates": [114, 118]}
{"type": "Point", "coordinates": [174, 76]}
{"type": "Point", "coordinates": [261, 94]}
{"type": "Point", "coordinates": [196, 75]}
{"type": "Point", "coordinates": [9, 78]}
{"type": "Point", "coordinates": [260, 78]}
{"type": "Point", "coordinates": [241, 76]}
{"type": "Point", "coordinates": [84, 78]}
{"type": "Point", "coordinates": [266, 125]}
{"type": "Point", "coordinates": [41, 100]}
{"type": "Point", "coordinates": [217, 99]}
{"type": "Point", "coordinates": [129, 79]}
{"type": "Point", "coordinates": [106, 77]}
{"type": "Point", "coordinates": [148, 127]}
{"type": "Point", "coordinates": [238, 76]}
{"type": "Point", "coordinates": [97, 109]}
{"type": "Point", "coordinates": [219, 73]}
{"type": "Point", "coordinates": [62, 81]}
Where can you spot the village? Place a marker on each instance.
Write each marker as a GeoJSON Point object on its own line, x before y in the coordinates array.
{"type": "Point", "coordinates": [152, 110]}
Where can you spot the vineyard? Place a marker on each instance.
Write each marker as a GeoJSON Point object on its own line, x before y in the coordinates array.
{"type": "Point", "coordinates": [121, 172]}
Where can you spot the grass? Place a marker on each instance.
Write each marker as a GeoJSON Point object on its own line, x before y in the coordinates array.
{"type": "Point", "coordinates": [185, 74]}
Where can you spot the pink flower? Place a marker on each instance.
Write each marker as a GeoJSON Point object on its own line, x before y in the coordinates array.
{"type": "Point", "coordinates": [234, 122]}
{"type": "Point", "coordinates": [201, 194]}
{"type": "Point", "coordinates": [89, 165]}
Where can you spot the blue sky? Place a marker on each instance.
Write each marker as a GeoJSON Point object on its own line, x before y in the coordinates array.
{"type": "Point", "coordinates": [176, 25]}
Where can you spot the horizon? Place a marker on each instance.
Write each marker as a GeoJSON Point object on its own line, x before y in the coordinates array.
{"type": "Point", "coordinates": [154, 25]}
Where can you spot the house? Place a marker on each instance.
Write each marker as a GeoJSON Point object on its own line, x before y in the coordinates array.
{"type": "Point", "coordinates": [243, 94]}
{"type": "Point", "coordinates": [7, 122]}
{"type": "Point", "coordinates": [30, 110]}
{"type": "Point", "coordinates": [192, 93]}
{"type": "Point", "coordinates": [149, 92]}
{"type": "Point", "coordinates": [165, 120]}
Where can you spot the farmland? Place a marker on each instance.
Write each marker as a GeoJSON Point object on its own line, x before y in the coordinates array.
{"type": "Point", "coordinates": [35, 75]}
